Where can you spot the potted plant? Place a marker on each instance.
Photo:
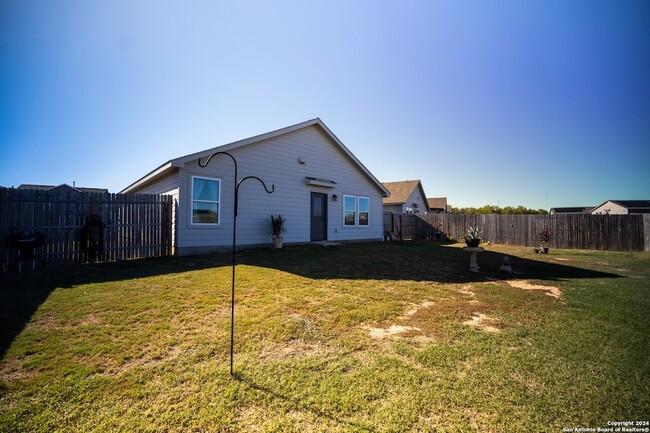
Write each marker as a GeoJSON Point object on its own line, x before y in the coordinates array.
{"type": "Point", "coordinates": [544, 236]}
{"type": "Point", "coordinates": [276, 228]}
{"type": "Point", "coordinates": [473, 237]}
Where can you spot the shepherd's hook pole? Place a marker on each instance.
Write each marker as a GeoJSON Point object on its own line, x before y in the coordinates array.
{"type": "Point", "coordinates": [234, 244]}
{"type": "Point", "coordinates": [234, 237]}
{"type": "Point", "coordinates": [234, 231]}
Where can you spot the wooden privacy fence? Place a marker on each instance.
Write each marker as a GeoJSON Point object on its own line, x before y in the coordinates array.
{"type": "Point", "coordinates": [596, 232]}
{"type": "Point", "coordinates": [81, 226]}
{"type": "Point", "coordinates": [404, 226]}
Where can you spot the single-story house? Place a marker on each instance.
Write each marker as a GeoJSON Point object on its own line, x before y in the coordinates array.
{"type": "Point", "coordinates": [575, 210]}
{"type": "Point", "coordinates": [320, 188]}
{"type": "Point", "coordinates": [622, 207]}
{"type": "Point", "coordinates": [438, 205]}
{"type": "Point", "coordinates": [62, 187]}
{"type": "Point", "coordinates": [406, 196]}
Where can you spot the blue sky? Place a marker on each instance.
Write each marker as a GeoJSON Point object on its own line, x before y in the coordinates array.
{"type": "Point", "coordinates": [535, 103]}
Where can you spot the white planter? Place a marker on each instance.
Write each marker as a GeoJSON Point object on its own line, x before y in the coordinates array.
{"type": "Point", "coordinates": [277, 242]}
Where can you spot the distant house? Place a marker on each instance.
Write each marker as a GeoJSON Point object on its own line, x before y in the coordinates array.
{"type": "Point", "coordinates": [571, 210]}
{"type": "Point", "coordinates": [62, 187]}
{"type": "Point", "coordinates": [405, 196]}
{"type": "Point", "coordinates": [438, 205]}
{"type": "Point", "coordinates": [622, 207]}
{"type": "Point", "coordinates": [321, 189]}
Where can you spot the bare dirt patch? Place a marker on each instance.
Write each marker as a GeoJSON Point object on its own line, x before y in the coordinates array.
{"type": "Point", "coordinates": [467, 290]}
{"type": "Point", "coordinates": [483, 322]}
{"type": "Point", "coordinates": [410, 313]}
{"type": "Point", "coordinates": [392, 330]}
{"type": "Point", "coordinates": [552, 291]}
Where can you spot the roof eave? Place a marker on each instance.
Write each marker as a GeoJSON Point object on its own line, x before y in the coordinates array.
{"type": "Point", "coordinates": [148, 177]}
{"type": "Point", "coordinates": [181, 161]}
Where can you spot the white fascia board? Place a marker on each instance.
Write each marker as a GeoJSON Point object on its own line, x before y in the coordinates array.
{"type": "Point", "coordinates": [152, 175]}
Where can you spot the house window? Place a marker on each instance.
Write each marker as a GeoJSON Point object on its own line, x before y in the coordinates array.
{"type": "Point", "coordinates": [206, 194]}
{"type": "Point", "coordinates": [356, 210]}
{"type": "Point", "coordinates": [349, 210]}
{"type": "Point", "coordinates": [364, 210]}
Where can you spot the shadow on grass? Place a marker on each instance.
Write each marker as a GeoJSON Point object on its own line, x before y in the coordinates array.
{"type": "Point", "coordinates": [301, 405]}
{"type": "Point", "coordinates": [22, 294]}
{"type": "Point", "coordinates": [415, 261]}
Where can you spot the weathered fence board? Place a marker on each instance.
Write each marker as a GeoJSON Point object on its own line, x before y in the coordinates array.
{"type": "Point", "coordinates": [597, 232]}
{"type": "Point", "coordinates": [134, 225]}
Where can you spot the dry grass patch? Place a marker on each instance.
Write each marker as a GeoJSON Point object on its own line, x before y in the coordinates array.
{"type": "Point", "coordinates": [552, 291]}
{"type": "Point", "coordinates": [294, 349]}
{"type": "Point", "coordinates": [380, 333]}
{"type": "Point", "coordinates": [482, 322]}
{"type": "Point", "coordinates": [435, 320]}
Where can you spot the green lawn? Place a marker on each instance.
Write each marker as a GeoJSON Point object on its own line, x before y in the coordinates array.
{"type": "Point", "coordinates": [378, 337]}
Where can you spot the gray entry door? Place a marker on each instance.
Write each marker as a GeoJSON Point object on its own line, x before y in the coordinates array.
{"type": "Point", "coordinates": [318, 216]}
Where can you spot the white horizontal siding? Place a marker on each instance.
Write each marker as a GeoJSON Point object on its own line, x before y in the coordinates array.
{"type": "Point", "coordinates": [276, 161]}
{"type": "Point", "coordinates": [417, 197]}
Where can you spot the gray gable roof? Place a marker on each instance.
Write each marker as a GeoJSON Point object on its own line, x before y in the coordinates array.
{"type": "Point", "coordinates": [633, 206]}
{"type": "Point", "coordinates": [574, 209]}
{"type": "Point", "coordinates": [181, 161]}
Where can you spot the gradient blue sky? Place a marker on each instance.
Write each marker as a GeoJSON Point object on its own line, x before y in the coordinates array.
{"type": "Point", "coordinates": [535, 103]}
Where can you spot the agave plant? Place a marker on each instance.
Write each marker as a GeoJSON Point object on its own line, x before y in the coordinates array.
{"type": "Point", "coordinates": [473, 236]}
{"type": "Point", "coordinates": [276, 225]}
{"type": "Point", "coordinates": [473, 233]}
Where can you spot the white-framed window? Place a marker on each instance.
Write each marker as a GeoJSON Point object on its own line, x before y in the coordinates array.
{"type": "Point", "coordinates": [356, 211]}
{"type": "Point", "coordinates": [364, 211]}
{"type": "Point", "coordinates": [206, 196]}
{"type": "Point", "coordinates": [349, 210]}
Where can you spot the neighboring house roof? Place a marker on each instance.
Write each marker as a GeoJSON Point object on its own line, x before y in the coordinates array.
{"type": "Point", "coordinates": [575, 209]}
{"type": "Point", "coordinates": [437, 203]}
{"type": "Point", "coordinates": [400, 191]}
{"type": "Point", "coordinates": [63, 186]}
{"type": "Point", "coordinates": [180, 162]}
{"type": "Point", "coordinates": [632, 206]}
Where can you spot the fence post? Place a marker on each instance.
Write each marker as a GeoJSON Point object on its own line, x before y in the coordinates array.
{"type": "Point", "coordinates": [4, 229]}
{"type": "Point", "coordinates": [646, 232]}
{"type": "Point", "coordinates": [399, 229]}
{"type": "Point", "coordinates": [167, 226]}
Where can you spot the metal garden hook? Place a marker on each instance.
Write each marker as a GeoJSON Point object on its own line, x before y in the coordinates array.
{"type": "Point", "coordinates": [234, 244]}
